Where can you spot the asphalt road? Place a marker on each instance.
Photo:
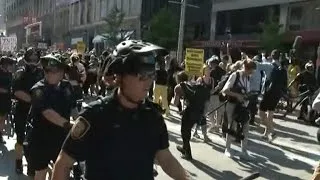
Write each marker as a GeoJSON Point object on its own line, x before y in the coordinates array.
{"type": "Point", "coordinates": [291, 156]}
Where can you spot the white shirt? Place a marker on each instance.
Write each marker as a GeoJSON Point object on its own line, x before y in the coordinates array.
{"type": "Point", "coordinates": [244, 81]}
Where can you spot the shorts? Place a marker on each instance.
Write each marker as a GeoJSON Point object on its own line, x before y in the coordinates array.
{"type": "Point", "coordinates": [269, 101]}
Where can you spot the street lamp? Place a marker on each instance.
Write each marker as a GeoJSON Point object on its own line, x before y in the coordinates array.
{"type": "Point", "coordinates": [183, 4]}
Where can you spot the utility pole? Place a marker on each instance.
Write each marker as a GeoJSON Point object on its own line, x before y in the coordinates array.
{"type": "Point", "coordinates": [183, 4]}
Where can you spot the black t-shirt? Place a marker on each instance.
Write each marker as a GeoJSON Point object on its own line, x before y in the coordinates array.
{"type": "Point", "coordinates": [5, 83]}
{"type": "Point", "coordinates": [217, 74]}
{"type": "Point", "coordinates": [117, 143]}
{"type": "Point", "coordinates": [58, 98]}
{"type": "Point", "coordinates": [278, 81]}
{"type": "Point", "coordinates": [161, 77]}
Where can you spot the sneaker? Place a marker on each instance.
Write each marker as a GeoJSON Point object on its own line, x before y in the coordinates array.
{"type": "Point", "coordinates": [186, 157]}
{"type": "Point", "coordinates": [271, 137]}
{"type": "Point", "coordinates": [228, 153]}
{"type": "Point", "coordinates": [196, 135]}
{"type": "Point", "coordinates": [19, 167]}
{"type": "Point", "coordinates": [181, 150]}
{"type": "Point", "coordinates": [264, 137]}
{"type": "Point", "coordinates": [245, 156]}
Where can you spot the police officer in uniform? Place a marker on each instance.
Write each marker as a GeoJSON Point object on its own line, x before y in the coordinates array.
{"type": "Point", "coordinates": [6, 68]}
{"type": "Point", "coordinates": [121, 135]}
{"type": "Point", "coordinates": [52, 101]}
{"type": "Point", "coordinates": [24, 79]}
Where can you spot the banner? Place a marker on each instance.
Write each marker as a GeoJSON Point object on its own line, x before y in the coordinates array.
{"type": "Point", "coordinates": [194, 61]}
{"type": "Point", "coordinates": [8, 44]}
{"type": "Point", "coordinates": [81, 47]}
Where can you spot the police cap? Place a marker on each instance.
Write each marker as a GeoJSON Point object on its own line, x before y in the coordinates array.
{"type": "Point", "coordinates": [134, 57]}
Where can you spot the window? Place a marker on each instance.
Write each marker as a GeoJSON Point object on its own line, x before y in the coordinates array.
{"type": "Point", "coordinates": [89, 11]}
{"type": "Point", "coordinates": [295, 18]}
{"type": "Point", "coordinates": [296, 13]}
{"type": "Point", "coordinates": [103, 8]}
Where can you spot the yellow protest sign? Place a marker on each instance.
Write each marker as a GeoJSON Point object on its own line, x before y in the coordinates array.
{"type": "Point", "coordinates": [194, 61]}
{"type": "Point", "coordinates": [81, 47]}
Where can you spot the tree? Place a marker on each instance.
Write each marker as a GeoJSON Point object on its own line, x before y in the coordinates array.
{"type": "Point", "coordinates": [271, 37]}
{"type": "Point", "coordinates": [114, 21]}
{"type": "Point", "coordinates": [163, 29]}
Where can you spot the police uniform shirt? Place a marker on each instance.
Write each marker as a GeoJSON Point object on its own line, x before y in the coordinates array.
{"type": "Point", "coordinates": [5, 83]}
{"type": "Point", "coordinates": [117, 143]}
{"type": "Point", "coordinates": [60, 99]}
{"type": "Point", "coordinates": [25, 78]}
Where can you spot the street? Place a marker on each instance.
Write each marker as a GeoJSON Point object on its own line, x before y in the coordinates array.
{"type": "Point", "coordinates": [292, 155]}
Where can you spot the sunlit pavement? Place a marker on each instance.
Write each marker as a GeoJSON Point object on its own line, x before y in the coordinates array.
{"type": "Point", "coordinates": [292, 155]}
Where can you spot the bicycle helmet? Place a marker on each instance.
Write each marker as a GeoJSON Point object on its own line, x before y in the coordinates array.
{"type": "Point", "coordinates": [134, 57]}
{"type": "Point", "coordinates": [5, 60]}
{"type": "Point", "coordinates": [28, 56]}
{"type": "Point", "coordinates": [52, 62]}
{"type": "Point", "coordinates": [309, 66]}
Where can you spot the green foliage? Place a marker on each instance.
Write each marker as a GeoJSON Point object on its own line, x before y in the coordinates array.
{"type": "Point", "coordinates": [164, 29]}
{"type": "Point", "coordinates": [271, 38]}
{"type": "Point", "coordinates": [114, 21]}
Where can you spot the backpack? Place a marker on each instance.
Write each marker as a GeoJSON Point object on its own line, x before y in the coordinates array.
{"type": "Point", "coordinates": [195, 94]}
{"type": "Point", "coordinates": [222, 83]}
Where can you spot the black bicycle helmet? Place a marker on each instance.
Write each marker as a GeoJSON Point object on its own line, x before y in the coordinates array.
{"type": "Point", "coordinates": [5, 60]}
{"type": "Point", "coordinates": [52, 62]}
{"type": "Point", "coordinates": [134, 56]}
{"type": "Point", "coordinates": [29, 52]}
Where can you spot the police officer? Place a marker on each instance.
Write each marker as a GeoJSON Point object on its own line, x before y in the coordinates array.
{"type": "Point", "coordinates": [52, 101]}
{"type": "Point", "coordinates": [6, 68]}
{"type": "Point", "coordinates": [24, 79]}
{"type": "Point", "coordinates": [121, 135]}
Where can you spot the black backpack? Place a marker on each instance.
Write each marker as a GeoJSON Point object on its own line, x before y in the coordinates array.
{"type": "Point", "coordinates": [195, 94]}
{"type": "Point", "coordinates": [222, 83]}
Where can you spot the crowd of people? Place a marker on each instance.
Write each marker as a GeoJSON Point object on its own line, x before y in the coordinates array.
{"type": "Point", "coordinates": [138, 82]}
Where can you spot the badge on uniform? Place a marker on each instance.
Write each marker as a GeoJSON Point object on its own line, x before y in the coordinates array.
{"type": "Point", "coordinates": [38, 93]}
{"type": "Point", "coordinates": [80, 128]}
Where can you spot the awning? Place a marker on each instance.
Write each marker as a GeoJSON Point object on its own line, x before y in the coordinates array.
{"type": "Point", "coordinates": [99, 39]}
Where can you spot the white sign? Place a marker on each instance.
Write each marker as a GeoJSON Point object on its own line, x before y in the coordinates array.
{"type": "Point", "coordinates": [42, 45]}
{"type": "Point", "coordinates": [8, 44]}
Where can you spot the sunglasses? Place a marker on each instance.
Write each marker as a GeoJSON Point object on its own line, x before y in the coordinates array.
{"type": "Point", "coordinates": [53, 69]}
{"type": "Point", "coordinates": [146, 75]}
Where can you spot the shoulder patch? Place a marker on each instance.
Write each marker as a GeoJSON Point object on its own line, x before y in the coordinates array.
{"type": "Point", "coordinates": [38, 92]}
{"type": "Point", "coordinates": [80, 128]}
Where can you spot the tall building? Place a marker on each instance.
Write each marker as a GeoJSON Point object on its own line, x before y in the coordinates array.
{"type": "Point", "coordinates": [2, 17]}
{"type": "Point", "coordinates": [238, 22]}
{"type": "Point", "coordinates": [35, 14]}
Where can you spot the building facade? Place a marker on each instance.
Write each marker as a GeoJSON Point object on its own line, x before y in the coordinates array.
{"type": "Point", "coordinates": [2, 17]}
